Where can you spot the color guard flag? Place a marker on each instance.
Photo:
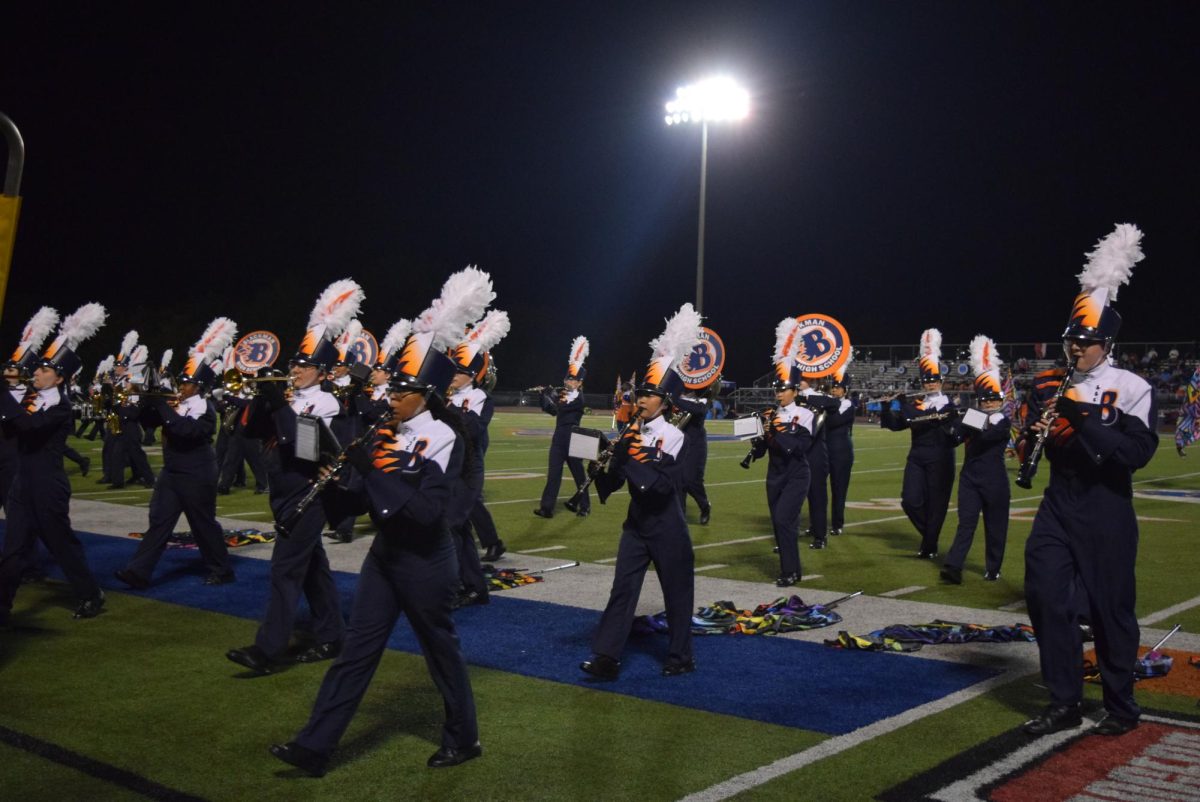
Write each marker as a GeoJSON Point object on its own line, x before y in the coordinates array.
{"type": "Point", "coordinates": [1185, 429]}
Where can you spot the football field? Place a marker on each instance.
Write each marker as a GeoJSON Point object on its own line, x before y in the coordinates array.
{"type": "Point", "coordinates": [141, 702]}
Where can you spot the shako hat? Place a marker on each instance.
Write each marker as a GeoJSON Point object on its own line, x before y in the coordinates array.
{"type": "Point", "coordinates": [39, 327]}
{"type": "Point", "coordinates": [667, 352]}
{"type": "Point", "coordinates": [389, 350]}
{"type": "Point", "coordinates": [211, 345]}
{"type": "Point", "coordinates": [471, 355]}
{"type": "Point", "coordinates": [128, 343]}
{"type": "Point", "coordinates": [930, 359]}
{"type": "Point", "coordinates": [77, 327]}
{"type": "Point", "coordinates": [986, 365]}
{"type": "Point", "coordinates": [841, 376]}
{"type": "Point", "coordinates": [1109, 265]}
{"type": "Point", "coordinates": [334, 310]}
{"type": "Point", "coordinates": [423, 364]}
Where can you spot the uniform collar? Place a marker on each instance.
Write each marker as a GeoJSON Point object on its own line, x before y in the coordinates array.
{"type": "Point", "coordinates": [417, 422]}
{"type": "Point", "coordinates": [308, 392]}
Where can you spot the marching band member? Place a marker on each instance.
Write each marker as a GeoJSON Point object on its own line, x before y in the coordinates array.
{"type": "Point", "coordinates": [929, 470]}
{"type": "Point", "coordinates": [235, 449]}
{"type": "Point", "coordinates": [298, 562]}
{"type": "Point", "coordinates": [839, 442]}
{"type": "Point", "coordinates": [127, 449]}
{"type": "Point", "coordinates": [567, 407]}
{"type": "Point", "coordinates": [476, 408]}
{"type": "Point", "coordinates": [16, 370]}
{"type": "Point", "coordinates": [347, 424]}
{"type": "Point", "coordinates": [818, 463]}
{"type": "Point", "coordinates": [787, 439]}
{"type": "Point", "coordinates": [187, 483]}
{"type": "Point", "coordinates": [409, 472]}
{"type": "Point", "coordinates": [1082, 549]}
{"type": "Point", "coordinates": [983, 480]}
{"type": "Point", "coordinates": [95, 398]}
{"type": "Point", "coordinates": [38, 504]}
{"type": "Point", "coordinates": [647, 458]}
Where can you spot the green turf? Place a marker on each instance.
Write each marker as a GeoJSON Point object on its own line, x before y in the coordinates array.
{"type": "Point", "coordinates": [146, 687]}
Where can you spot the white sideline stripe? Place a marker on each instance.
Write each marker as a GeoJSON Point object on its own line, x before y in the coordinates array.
{"type": "Point", "coordinates": [544, 548]}
{"type": "Point", "coordinates": [841, 743]}
{"type": "Point", "coordinates": [731, 542]}
{"type": "Point", "coordinates": [891, 594]}
{"type": "Point", "coordinates": [810, 577]}
{"type": "Point", "coordinates": [1174, 609]}
{"type": "Point", "coordinates": [607, 560]}
{"type": "Point", "coordinates": [1013, 607]}
{"type": "Point", "coordinates": [700, 568]}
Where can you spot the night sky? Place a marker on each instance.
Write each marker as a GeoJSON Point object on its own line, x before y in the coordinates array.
{"type": "Point", "coordinates": [905, 165]}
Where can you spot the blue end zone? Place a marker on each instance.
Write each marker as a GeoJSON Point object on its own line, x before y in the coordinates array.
{"type": "Point", "coordinates": [774, 680]}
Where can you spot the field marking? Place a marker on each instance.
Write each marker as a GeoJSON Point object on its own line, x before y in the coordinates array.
{"type": "Point", "coordinates": [606, 560]}
{"type": "Point", "coordinates": [732, 542]}
{"type": "Point", "coordinates": [250, 514]}
{"type": "Point", "coordinates": [700, 568]}
{"type": "Point", "coordinates": [811, 577]}
{"type": "Point", "coordinates": [1013, 607]}
{"type": "Point", "coordinates": [1174, 609]}
{"type": "Point", "coordinates": [544, 548]}
{"type": "Point", "coordinates": [840, 743]}
{"type": "Point", "coordinates": [891, 594]}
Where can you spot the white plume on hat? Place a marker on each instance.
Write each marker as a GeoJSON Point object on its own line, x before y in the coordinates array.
{"type": "Point", "coordinates": [139, 357]}
{"type": "Point", "coordinates": [931, 345]}
{"type": "Point", "coordinates": [128, 343]}
{"type": "Point", "coordinates": [81, 325]}
{"type": "Point", "coordinates": [983, 356]}
{"type": "Point", "coordinates": [395, 338]}
{"type": "Point", "coordinates": [346, 338]}
{"type": "Point", "coordinates": [1110, 263]}
{"type": "Point", "coordinates": [216, 338]}
{"type": "Point", "coordinates": [106, 365]}
{"type": "Point", "coordinates": [38, 329]}
{"type": "Point", "coordinates": [228, 359]}
{"type": "Point", "coordinates": [487, 333]}
{"type": "Point", "coordinates": [336, 306]}
{"type": "Point", "coordinates": [166, 360]}
{"type": "Point", "coordinates": [464, 297]}
{"type": "Point", "coordinates": [679, 336]}
{"type": "Point", "coordinates": [787, 343]}
{"type": "Point", "coordinates": [580, 348]}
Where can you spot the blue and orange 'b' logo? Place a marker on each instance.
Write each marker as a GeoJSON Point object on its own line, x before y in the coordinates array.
{"type": "Point", "coordinates": [256, 350]}
{"type": "Point", "coordinates": [704, 364]}
{"type": "Point", "coordinates": [824, 346]}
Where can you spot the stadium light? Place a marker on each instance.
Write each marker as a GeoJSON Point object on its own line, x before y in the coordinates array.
{"type": "Point", "coordinates": [710, 100]}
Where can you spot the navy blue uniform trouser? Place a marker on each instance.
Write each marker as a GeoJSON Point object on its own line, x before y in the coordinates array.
{"type": "Point", "coordinates": [695, 459]}
{"type": "Point", "coordinates": [818, 495]}
{"type": "Point", "coordinates": [239, 449]}
{"type": "Point", "coordinates": [42, 511]}
{"type": "Point", "coordinates": [925, 496]}
{"type": "Point", "coordinates": [841, 462]}
{"type": "Point", "coordinates": [195, 497]}
{"type": "Point", "coordinates": [785, 498]}
{"type": "Point", "coordinates": [485, 527]}
{"type": "Point", "coordinates": [674, 562]}
{"type": "Point", "coordinates": [988, 495]}
{"type": "Point", "coordinates": [299, 565]}
{"type": "Point", "coordinates": [469, 566]}
{"type": "Point", "coordinates": [1080, 555]}
{"type": "Point", "coordinates": [421, 586]}
{"type": "Point", "coordinates": [128, 452]}
{"type": "Point", "coordinates": [558, 455]}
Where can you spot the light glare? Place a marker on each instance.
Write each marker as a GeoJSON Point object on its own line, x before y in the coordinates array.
{"type": "Point", "coordinates": [709, 100]}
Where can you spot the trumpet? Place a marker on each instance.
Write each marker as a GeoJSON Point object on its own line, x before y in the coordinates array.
{"type": "Point", "coordinates": [1030, 465]}
{"type": "Point", "coordinates": [234, 381]}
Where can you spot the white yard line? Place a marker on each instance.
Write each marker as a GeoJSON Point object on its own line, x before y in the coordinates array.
{"type": "Point", "coordinates": [891, 594]}
{"type": "Point", "coordinates": [544, 548]}
{"type": "Point", "coordinates": [1175, 609]}
{"type": "Point", "coordinates": [712, 567]}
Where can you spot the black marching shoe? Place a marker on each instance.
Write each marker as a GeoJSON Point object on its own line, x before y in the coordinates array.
{"type": "Point", "coordinates": [539, 512]}
{"type": "Point", "coordinates": [706, 515]}
{"type": "Point", "coordinates": [1113, 725]}
{"type": "Point", "coordinates": [131, 579]}
{"type": "Point", "coordinates": [296, 755]}
{"type": "Point", "coordinates": [678, 669]}
{"type": "Point", "coordinates": [837, 530]}
{"type": "Point", "coordinates": [90, 608]}
{"type": "Point", "coordinates": [991, 576]}
{"type": "Point", "coordinates": [572, 505]}
{"type": "Point", "coordinates": [819, 543]}
{"type": "Point", "coordinates": [253, 658]}
{"type": "Point", "coordinates": [494, 552]}
{"type": "Point", "coordinates": [774, 549]}
{"type": "Point", "coordinates": [1053, 719]}
{"type": "Point", "coordinates": [322, 651]}
{"type": "Point", "coordinates": [926, 554]}
{"type": "Point", "coordinates": [220, 579]}
{"type": "Point", "coordinates": [85, 465]}
{"type": "Point", "coordinates": [470, 598]}
{"type": "Point", "coordinates": [448, 756]}
{"type": "Point", "coordinates": [583, 512]}
{"type": "Point", "coordinates": [601, 666]}
{"type": "Point", "coordinates": [951, 574]}
{"type": "Point", "coordinates": [787, 580]}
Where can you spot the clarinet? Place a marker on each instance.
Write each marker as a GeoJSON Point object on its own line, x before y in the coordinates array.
{"type": "Point", "coordinates": [1030, 465]}
{"type": "Point", "coordinates": [604, 459]}
{"type": "Point", "coordinates": [284, 527]}
{"type": "Point", "coordinates": [756, 442]}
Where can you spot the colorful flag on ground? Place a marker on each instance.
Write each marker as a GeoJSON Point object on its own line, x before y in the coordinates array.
{"type": "Point", "coordinates": [1185, 429]}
